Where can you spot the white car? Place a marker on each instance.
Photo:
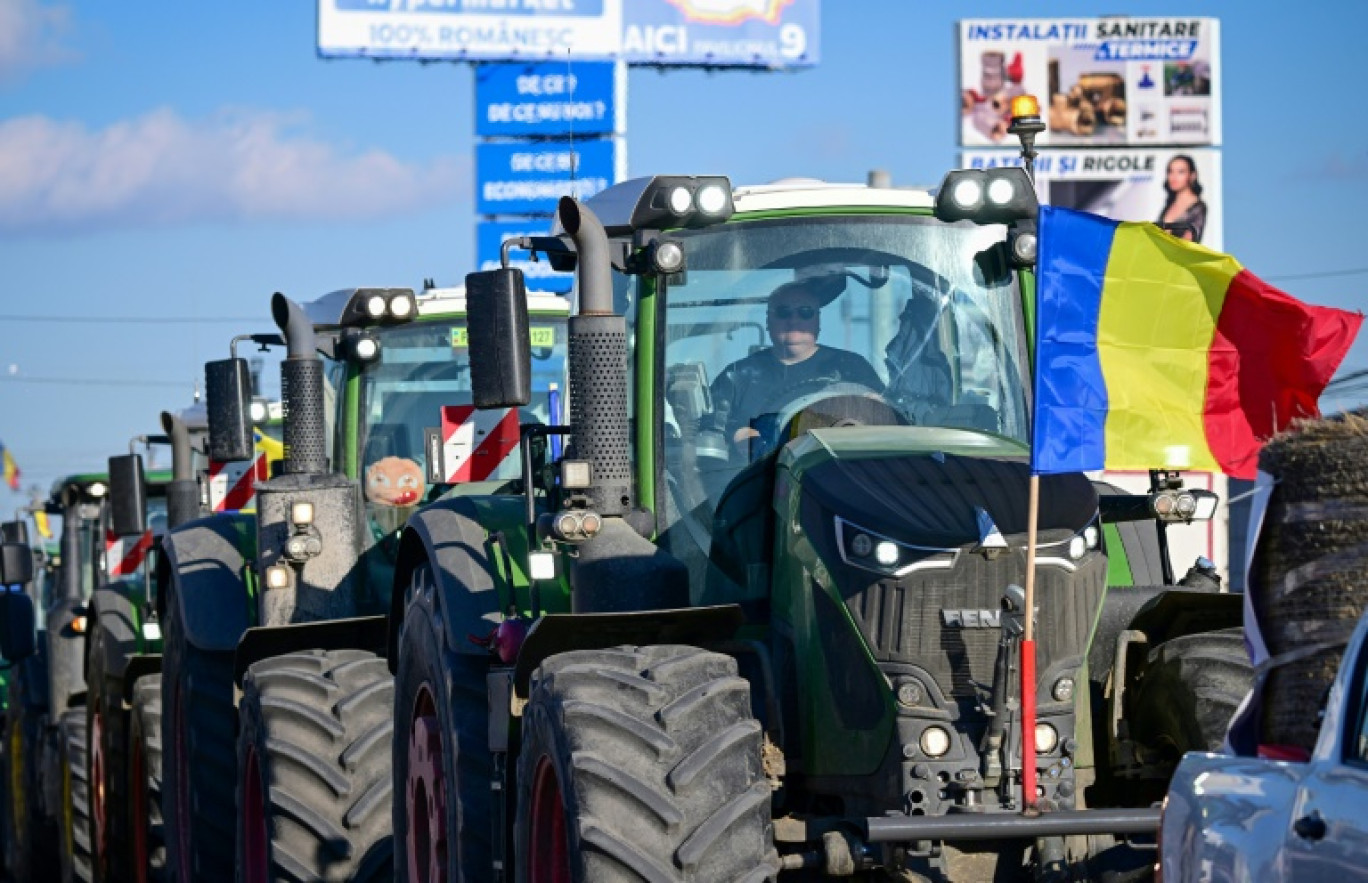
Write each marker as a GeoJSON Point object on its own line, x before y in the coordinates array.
{"type": "Point", "coordinates": [1247, 818]}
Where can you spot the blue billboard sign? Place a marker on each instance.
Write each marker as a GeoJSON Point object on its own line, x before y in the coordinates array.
{"type": "Point", "coordinates": [489, 240]}
{"type": "Point", "coordinates": [722, 33]}
{"type": "Point", "coordinates": [527, 178]}
{"type": "Point", "coordinates": [545, 99]}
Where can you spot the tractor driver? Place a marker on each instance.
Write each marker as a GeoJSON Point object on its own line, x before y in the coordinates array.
{"type": "Point", "coordinates": [756, 384]}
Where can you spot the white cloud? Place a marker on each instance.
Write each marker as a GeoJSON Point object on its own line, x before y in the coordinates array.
{"type": "Point", "coordinates": [31, 35]}
{"type": "Point", "coordinates": [60, 176]}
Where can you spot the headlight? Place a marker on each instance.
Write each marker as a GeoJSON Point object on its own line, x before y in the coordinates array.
{"type": "Point", "coordinates": [1092, 536]}
{"type": "Point", "coordinates": [870, 550]}
{"type": "Point", "coordinates": [935, 741]}
{"type": "Point", "coordinates": [712, 199]}
{"type": "Point", "coordinates": [681, 200]}
{"type": "Point", "coordinates": [258, 411]}
{"type": "Point", "coordinates": [1078, 547]}
{"type": "Point", "coordinates": [1063, 689]}
{"type": "Point", "coordinates": [967, 193]}
{"type": "Point", "coordinates": [401, 307]}
{"type": "Point", "coordinates": [376, 306]}
{"type": "Point", "coordinates": [1001, 191]}
{"type": "Point", "coordinates": [1046, 738]}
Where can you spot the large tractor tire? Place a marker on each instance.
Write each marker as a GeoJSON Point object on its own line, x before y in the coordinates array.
{"type": "Point", "coordinates": [75, 855]}
{"type": "Point", "coordinates": [199, 744]}
{"type": "Point", "coordinates": [313, 750]}
{"type": "Point", "coordinates": [1188, 692]}
{"type": "Point", "coordinates": [442, 810]}
{"type": "Point", "coordinates": [145, 781]}
{"type": "Point", "coordinates": [642, 764]}
{"type": "Point", "coordinates": [107, 727]}
{"type": "Point", "coordinates": [31, 844]}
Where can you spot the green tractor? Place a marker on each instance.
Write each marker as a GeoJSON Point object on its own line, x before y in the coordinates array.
{"type": "Point", "coordinates": [276, 698]}
{"type": "Point", "coordinates": [761, 615]}
{"type": "Point", "coordinates": [48, 772]}
{"type": "Point", "coordinates": [123, 656]}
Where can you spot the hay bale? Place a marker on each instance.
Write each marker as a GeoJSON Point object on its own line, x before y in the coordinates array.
{"type": "Point", "coordinates": [1311, 565]}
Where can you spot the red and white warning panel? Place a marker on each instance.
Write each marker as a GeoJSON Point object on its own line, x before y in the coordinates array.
{"type": "Point", "coordinates": [232, 486]}
{"type": "Point", "coordinates": [479, 445]}
{"type": "Point", "coordinates": [122, 557]}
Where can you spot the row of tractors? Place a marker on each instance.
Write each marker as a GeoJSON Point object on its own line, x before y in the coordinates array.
{"type": "Point", "coordinates": [520, 599]}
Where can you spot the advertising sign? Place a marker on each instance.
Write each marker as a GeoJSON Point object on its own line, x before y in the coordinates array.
{"type": "Point", "coordinates": [1101, 82]}
{"type": "Point", "coordinates": [470, 29]}
{"type": "Point", "coordinates": [527, 178]}
{"type": "Point", "coordinates": [748, 33]}
{"type": "Point", "coordinates": [489, 240]}
{"type": "Point", "coordinates": [717, 33]}
{"type": "Point", "coordinates": [1177, 187]}
{"type": "Point", "coordinates": [549, 98]}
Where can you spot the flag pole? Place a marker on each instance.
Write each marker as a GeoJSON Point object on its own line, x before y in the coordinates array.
{"type": "Point", "coordinates": [1028, 658]}
{"type": "Point", "coordinates": [1026, 125]}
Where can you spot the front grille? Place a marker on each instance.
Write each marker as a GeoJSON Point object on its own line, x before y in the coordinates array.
{"type": "Point", "coordinates": [901, 618]}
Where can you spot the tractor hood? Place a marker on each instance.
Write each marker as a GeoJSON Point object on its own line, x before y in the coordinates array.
{"type": "Point", "coordinates": [930, 487]}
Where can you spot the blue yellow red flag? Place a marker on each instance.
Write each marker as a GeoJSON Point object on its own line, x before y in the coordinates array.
{"type": "Point", "coordinates": [1157, 353]}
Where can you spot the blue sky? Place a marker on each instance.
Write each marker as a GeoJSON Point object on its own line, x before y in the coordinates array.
{"type": "Point", "coordinates": [186, 160]}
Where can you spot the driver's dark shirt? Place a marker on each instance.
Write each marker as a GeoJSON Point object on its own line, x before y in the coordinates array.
{"type": "Point", "coordinates": [756, 384]}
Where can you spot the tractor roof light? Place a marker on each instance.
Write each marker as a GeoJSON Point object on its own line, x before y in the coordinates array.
{"type": "Point", "coordinates": [987, 196]}
{"type": "Point", "coordinates": [1183, 505]}
{"type": "Point", "coordinates": [667, 256]}
{"type": "Point", "coordinates": [259, 410]}
{"type": "Point", "coordinates": [664, 202]}
{"type": "Point", "coordinates": [372, 306]}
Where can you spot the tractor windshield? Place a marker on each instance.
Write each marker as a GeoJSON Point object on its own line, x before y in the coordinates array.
{"type": "Point", "coordinates": [859, 319]}
{"type": "Point", "coordinates": [420, 384]}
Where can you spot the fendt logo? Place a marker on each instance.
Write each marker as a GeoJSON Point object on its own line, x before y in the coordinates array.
{"type": "Point", "coordinates": [972, 619]}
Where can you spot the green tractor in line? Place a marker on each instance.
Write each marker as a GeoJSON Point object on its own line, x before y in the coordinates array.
{"type": "Point", "coordinates": [762, 619]}
{"type": "Point", "coordinates": [276, 698]}
{"type": "Point", "coordinates": [49, 764]}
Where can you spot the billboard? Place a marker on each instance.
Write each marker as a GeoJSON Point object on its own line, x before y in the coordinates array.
{"type": "Point", "coordinates": [1179, 187]}
{"type": "Point", "coordinates": [712, 33]}
{"type": "Point", "coordinates": [474, 30]}
{"type": "Point", "coordinates": [1105, 82]}
{"type": "Point", "coordinates": [489, 240]}
{"type": "Point", "coordinates": [722, 33]}
{"type": "Point", "coordinates": [527, 178]}
{"type": "Point", "coordinates": [547, 99]}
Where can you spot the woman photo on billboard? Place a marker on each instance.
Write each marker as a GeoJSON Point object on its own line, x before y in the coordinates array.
{"type": "Point", "coordinates": [1184, 213]}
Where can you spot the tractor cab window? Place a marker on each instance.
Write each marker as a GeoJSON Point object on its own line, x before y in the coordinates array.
{"type": "Point", "coordinates": [779, 326]}
{"type": "Point", "coordinates": [419, 389]}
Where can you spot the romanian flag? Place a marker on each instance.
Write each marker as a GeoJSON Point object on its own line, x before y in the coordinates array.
{"type": "Point", "coordinates": [11, 469]}
{"type": "Point", "coordinates": [1156, 353]}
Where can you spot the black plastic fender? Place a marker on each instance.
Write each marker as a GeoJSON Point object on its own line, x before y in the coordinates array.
{"type": "Point", "coordinates": [205, 561]}
{"type": "Point", "coordinates": [449, 534]}
{"type": "Point", "coordinates": [113, 611]}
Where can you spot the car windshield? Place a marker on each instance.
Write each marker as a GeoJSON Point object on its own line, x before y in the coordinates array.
{"type": "Point", "coordinates": [420, 386]}
{"type": "Point", "coordinates": [898, 320]}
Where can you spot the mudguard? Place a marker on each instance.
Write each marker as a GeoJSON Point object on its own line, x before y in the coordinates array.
{"type": "Point", "coordinates": [453, 535]}
{"type": "Point", "coordinates": [205, 564]}
{"type": "Point", "coordinates": [115, 613]}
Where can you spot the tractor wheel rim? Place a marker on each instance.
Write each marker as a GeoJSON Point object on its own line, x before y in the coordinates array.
{"type": "Point", "coordinates": [425, 838]}
{"type": "Point", "coordinates": [254, 836]}
{"type": "Point", "coordinates": [549, 850]}
{"type": "Point", "coordinates": [183, 862]}
{"type": "Point", "coordinates": [138, 773]}
{"type": "Point", "coordinates": [97, 788]}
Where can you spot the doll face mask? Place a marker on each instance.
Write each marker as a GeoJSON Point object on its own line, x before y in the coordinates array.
{"type": "Point", "coordinates": [394, 481]}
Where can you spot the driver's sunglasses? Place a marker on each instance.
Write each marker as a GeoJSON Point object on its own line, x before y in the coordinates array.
{"type": "Point", "coordinates": [807, 314]}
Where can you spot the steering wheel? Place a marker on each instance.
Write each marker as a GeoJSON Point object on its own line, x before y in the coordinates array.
{"type": "Point", "coordinates": [818, 404]}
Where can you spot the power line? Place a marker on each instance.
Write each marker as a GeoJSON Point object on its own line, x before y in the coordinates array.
{"type": "Point", "coordinates": [93, 381]}
{"type": "Point", "coordinates": [127, 320]}
{"type": "Point", "coordinates": [1356, 271]}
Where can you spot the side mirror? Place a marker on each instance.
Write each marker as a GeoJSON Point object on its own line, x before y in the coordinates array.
{"type": "Point", "coordinates": [17, 626]}
{"type": "Point", "coordinates": [127, 495]}
{"type": "Point", "coordinates": [16, 564]}
{"type": "Point", "coordinates": [14, 532]}
{"type": "Point", "coordinates": [228, 399]}
{"type": "Point", "coordinates": [500, 348]}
